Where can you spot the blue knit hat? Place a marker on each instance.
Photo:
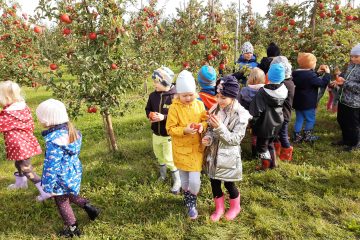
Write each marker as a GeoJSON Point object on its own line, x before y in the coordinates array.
{"type": "Point", "coordinates": [228, 86]}
{"type": "Point", "coordinates": [276, 73]}
{"type": "Point", "coordinates": [207, 77]}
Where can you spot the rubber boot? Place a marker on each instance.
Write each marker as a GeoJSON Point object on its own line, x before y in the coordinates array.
{"type": "Point", "coordinates": [309, 137]}
{"type": "Point", "coordinates": [20, 182]}
{"type": "Point", "coordinates": [43, 195]}
{"type": "Point", "coordinates": [190, 203]}
{"type": "Point", "coordinates": [265, 161]}
{"type": "Point", "coordinates": [162, 171]}
{"type": "Point", "coordinates": [234, 209]}
{"type": "Point", "coordinates": [70, 231]}
{"type": "Point", "coordinates": [297, 138]}
{"type": "Point", "coordinates": [175, 189]}
{"type": "Point", "coordinates": [286, 154]}
{"type": "Point", "coordinates": [91, 211]}
{"type": "Point", "coordinates": [277, 146]}
{"type": "Point", "coordinates": [219, 209]}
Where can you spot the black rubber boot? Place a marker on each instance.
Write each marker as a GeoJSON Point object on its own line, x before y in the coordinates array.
{"type": "Point", "coordinates": [91, 211]}
{"type": "Point", "coordinates": [297, 138]}
{"type": "Point", "coordinates": [70, 231]}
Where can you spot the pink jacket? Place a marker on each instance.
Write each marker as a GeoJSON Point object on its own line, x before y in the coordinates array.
{"type": "Point", "coordinates": [17, 125]}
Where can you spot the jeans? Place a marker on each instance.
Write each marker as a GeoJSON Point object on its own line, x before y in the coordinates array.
{"type": "Point", "coordinates": [307, 115]}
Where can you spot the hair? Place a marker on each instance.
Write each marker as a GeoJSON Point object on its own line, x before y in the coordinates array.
{"type": "Point", "coordinates": [73, 134]}
{"type": "Point", "coordinates": [10, 92]}
{"type": "Point", "coordinates": [257, 76]}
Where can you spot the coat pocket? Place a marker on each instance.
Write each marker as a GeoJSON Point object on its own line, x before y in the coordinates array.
{"type": "Point", "coordinates": [228, 158]}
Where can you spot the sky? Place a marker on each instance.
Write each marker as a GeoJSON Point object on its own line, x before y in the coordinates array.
{"type": "Point", "coordinates": [259, 6]}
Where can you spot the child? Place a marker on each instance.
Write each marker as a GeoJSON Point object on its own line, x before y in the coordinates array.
{"type": "Point", "coordinates": [17, 125]}
{"type": "Point", "coordinates": [282, 145]}
{"type": "Point", "coordinates": [255, 81]}
{"type": "Point", "coordinates": [348, 115]}
{"type": "Point", "coordinates": [158, 103]}
{"type": "Point", "coordinates": [62, 168]}
{"type": "Point", "coordinates": [228, 121]}
{"type": "Point", "coordinates": [272, 51]}
{"type": "Point", "coordinates": [186, 121]}
{"type": "Point", "coordinates": [207, 79]}
{"type": "Point", "coordinates": [266, 109]}
{"type": "Point", "coordinates": [247, 61]}
{"type": "Point", "coordinates": [307, 84]}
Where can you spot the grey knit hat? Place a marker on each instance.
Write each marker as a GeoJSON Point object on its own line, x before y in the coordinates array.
{"type": "Point", "coordinates": [285, 62]}
{"type": "Point", "coordinates": [247, 47]}
{"type": "Point", "coordinates": [355, 50]}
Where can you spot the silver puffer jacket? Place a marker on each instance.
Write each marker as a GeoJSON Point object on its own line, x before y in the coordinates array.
{"type": "Point", "coordinates": [223, 156]}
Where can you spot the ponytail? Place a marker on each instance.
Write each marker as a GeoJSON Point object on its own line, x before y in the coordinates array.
{"type": "Point", "coordinates": [73, 135]}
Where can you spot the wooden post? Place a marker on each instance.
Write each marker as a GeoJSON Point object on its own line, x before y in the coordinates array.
{"type": "Point", "coordinates": [313, 20]}
{"type": "Point", "coordinates": [110, 132]}
{"type": "Point", "coordinates": [237, 32]}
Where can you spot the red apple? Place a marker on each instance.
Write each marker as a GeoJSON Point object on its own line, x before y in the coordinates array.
{"type": "Point", "coordinates": [186, 65]}
{"type": "Point", "coordinates": [194, 42]}
{"type": "Point", "coordinates": [53, 66]}
{"type": "Point", "coordinates": [92, 109]}
{"type": "Point", "coordinates": [152, 115]}
{"type": "Point", "coordinates": [224, 46]}
{"type": "Point", "coordinates": [201, 37]}
{"type": "Point", "coordinates": [66, 31]}
{"type": "Point", "coordinates": [292, 22]}
{"type": "Point", "coordinates": [321, 5]}
{"type": "Point", "coordinates": [338, 12]}
{"type": "Point", "coordinates": [92, 36]}
{"type": "Point", "coordinates": [279, 13]}
{"type": "Point", "coordinates": [322, 15]}
{"type": "Point", "coordinates": [349, 18]}
{"type": "Point", "coordinates": [37, 29]}
{"type": "Point", "coordinates": [337, 7]}
{"type": "Point", "coordinates": [215, 53]}
{"type": "Point", "coordinates": [355, 18]}
{"type": "Point", "coordinates": [222, 66]}
{"type": "Point", "coordinates": [114, 66]}
{"type": "Point", "coordinates": [210, 57]}
{"type": "Point", "coordinates": [65, 18]}
{"type": "Point", "coordinates": [195, 126]}
{"type": "Point", "coordinates": [284, 29]}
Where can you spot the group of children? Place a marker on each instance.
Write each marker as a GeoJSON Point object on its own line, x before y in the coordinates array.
{"type": "Point", "coordinates": [191, 132]}
{"type": "Point", "coordinates": [62, 168]}
{"type": "Point", "coordinates": [210, 140]}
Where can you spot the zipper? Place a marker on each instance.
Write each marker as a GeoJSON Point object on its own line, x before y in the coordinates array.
{"type": "Point", "coordinates": [160, 112]}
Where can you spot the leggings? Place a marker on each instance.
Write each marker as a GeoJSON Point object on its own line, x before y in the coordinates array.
{"type": "Point", "coordinates": [190, 181]}
{"type": "Point", "coordinates": [24, 167]}
{"type": "Point", "coordinates": [64, 207]}
{"type": "Point", "coordinates": [230, 187]}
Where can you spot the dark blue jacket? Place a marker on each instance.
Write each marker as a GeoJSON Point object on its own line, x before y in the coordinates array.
{"type": "Point", "coordinates": [307, 84]}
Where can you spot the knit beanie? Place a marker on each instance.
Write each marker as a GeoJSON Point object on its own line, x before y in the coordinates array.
{"type": "Point", "coordinates": [164, 75]}
{"type": "Point", "coordinates": [207, 77]}
{"type": "Point", "coordinates": [276, 73]}
{"type": "Point", "coordinates": [355, 50]}
{"type": "Point", "coordinates": [52, 112]}
{"type": "Point", "coordinates": [185, 82]}
{"type": "Point", "coordinates": [273, 50]}
{"type": "Point", "coordinates": [285, 62]}
{"type": "Point", "coordinates": [247, 47]}
{"type": "Point", "coordinates": [228, 86]}
{"type": "Point", "coordinates": [306, 61]}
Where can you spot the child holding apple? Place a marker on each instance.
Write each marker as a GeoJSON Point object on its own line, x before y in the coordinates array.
{"type": "Point", "coordinates": [157, 109]}
{"type": "Point", "coordinates": [185, 122]}
{"type": "Point", "coordinates": [228, 121]}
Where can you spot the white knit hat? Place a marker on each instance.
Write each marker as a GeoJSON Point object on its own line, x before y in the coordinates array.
{"type": "Point", "coordinates": [285, 62]}
{"type": "Point", "coordinates": [52, 112]}
{"type": "Point", "coordinates": [185, 82]}
{"type": "Point", "coordinates": [247, 47]}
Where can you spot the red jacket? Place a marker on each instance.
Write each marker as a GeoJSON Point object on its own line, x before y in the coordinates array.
{"type": "Point", "coordinates": [17, 125]}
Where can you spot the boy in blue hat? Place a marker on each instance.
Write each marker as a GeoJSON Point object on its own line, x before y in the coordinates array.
{"type": "Point", "coordinates": [266, 109]}
{"type": "Point", "coordinates": [207, 80]}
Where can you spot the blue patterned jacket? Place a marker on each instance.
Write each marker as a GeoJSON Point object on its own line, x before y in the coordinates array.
{"type": "Point", "coordinates": [62, 168]}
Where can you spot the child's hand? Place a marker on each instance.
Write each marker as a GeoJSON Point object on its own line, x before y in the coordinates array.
{"type": "Point", "coordinates": [214, 121]}
{"type": "Point", "coordinates": [189, 130]}
{"type": "Point", "coordinates": [206, 141]}
{"type": "Point", "coordinates": [157, 117]}
{"type": "Point", "coordinates": [326, 69]}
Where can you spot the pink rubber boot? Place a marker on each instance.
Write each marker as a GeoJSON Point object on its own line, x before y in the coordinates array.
{"type": "Point", "coordinates": [234, 209]}
{"type": "Point", "coordinates": [219, 209]}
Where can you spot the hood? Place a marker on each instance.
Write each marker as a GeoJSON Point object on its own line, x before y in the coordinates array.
{"type": "Point", "coordinates": [248, 93]}
{"type": "Point", "coordinates": [172, 91]}
{"type": "Point", "coordinates": [241, 59]}
{"type": "Point", "coordinates": [19, 110]}
{"type": "Point", "coordinates": [275, 94]}
{"type": "Point", "coordinates": [59, 135]}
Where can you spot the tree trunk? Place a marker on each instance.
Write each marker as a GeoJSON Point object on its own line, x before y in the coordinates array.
{"type": "Point", "coordinates": [110, 132]}
{"type": "Point", "coordinates": [313, 20]}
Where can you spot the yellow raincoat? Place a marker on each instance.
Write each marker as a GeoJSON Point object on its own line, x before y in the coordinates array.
{"type": "Point", "coordinates": [187, 149]}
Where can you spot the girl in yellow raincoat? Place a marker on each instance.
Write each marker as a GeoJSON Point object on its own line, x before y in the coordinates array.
{"type": "Point", "coordinates": [185, 122]}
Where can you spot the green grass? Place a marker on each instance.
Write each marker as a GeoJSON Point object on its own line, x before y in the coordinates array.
{"type": "Point", "coordinates": [316, 196]}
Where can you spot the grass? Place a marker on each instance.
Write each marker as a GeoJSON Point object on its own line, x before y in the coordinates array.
{"type": "Point", "coordinates": [316, 196]}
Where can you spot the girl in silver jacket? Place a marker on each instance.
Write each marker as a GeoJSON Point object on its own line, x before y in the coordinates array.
{"type": "Point", "coordinates": [227, 125]}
